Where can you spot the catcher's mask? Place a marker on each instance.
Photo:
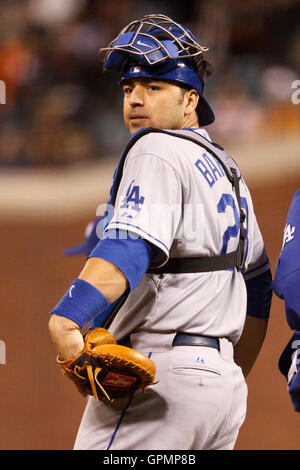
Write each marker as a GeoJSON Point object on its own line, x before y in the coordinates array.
{"type": "Point", "coordinates": [156, 47]}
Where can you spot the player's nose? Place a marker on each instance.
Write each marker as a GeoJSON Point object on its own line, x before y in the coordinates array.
{"type": "Point", "coordinates": [136, 96]}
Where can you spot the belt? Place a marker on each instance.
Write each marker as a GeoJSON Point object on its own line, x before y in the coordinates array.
{"type": "Point", "coordinates": [184, 339]}
{"type": "Point", "coordinates": [187, 339]}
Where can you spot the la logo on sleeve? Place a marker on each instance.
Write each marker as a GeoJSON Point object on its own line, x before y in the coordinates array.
{"type": "Point", "coordinates": [133, 200]}
{"type": "Point", "coordinates": [288, 234]}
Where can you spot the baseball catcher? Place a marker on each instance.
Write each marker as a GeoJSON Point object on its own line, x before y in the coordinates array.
{"type": "Point", "coordinates": [180, 275]}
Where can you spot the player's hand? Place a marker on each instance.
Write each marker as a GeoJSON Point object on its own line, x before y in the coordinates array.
{"type": "Point", "coordinates": [66, 336]}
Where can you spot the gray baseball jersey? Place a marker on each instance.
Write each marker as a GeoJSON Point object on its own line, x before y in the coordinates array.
{"type": "Point", "coordinates": [176, 195]}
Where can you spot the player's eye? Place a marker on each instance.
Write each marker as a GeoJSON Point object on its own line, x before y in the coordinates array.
{"type": "Point", "coordinates": [153, 87]}
{"type": "Point", "coordinates": [127, 90]}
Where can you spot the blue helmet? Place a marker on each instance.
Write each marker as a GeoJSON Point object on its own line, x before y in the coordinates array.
{"type": "Point", "coordinates": [156, 47]}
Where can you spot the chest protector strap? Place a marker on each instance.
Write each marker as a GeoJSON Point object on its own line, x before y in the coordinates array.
{"type": "Point", "coordinates": [232, 171]}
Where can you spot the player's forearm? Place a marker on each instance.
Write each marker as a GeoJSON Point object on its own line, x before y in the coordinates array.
{"type": "Point", "coordinates": [106, 277]}
{"type": "Point", "coordinates": [100, 283]}
{"type": "Point", "coordinates": [64, 331]}
{"type": "Point", "coordinates": [249, 345]}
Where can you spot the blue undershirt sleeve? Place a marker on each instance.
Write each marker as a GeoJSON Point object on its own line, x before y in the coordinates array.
{"type": "Point", "coordinates": [131, 255]}
{"type": "Point", "coordinates": [259, 295]}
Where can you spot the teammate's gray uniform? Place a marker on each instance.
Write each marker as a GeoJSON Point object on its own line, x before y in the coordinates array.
{"type": "Point", "coordinates": [199, 401]}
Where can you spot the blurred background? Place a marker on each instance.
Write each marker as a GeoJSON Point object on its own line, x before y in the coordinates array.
{"type": "Point", "coordinates": [61, 110]}
{"type": "Point", "coordinates": [61, 133]}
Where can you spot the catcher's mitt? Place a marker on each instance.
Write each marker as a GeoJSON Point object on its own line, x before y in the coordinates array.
{"type": "Point", "coordinates": [107, 370]}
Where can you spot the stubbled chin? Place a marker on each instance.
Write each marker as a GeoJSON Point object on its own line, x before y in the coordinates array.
{"type": "Point", "coordinates": [134, 127]}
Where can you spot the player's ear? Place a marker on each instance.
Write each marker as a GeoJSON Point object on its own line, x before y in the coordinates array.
{"type": "Point", "coordinates": [191, 99]}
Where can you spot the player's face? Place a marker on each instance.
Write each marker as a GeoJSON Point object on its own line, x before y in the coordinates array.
{"type": "Point", "coordinates": [153, 103]}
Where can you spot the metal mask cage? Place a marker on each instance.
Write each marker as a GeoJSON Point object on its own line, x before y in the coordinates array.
{"type": "Point", "coordinates": [158, 28]}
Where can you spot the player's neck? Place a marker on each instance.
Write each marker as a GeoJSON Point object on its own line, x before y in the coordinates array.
{"type": "Point", "coordinates": [190, 121]}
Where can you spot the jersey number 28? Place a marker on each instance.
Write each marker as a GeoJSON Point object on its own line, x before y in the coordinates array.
{"type": "Point", "coordinates": [233, 231]}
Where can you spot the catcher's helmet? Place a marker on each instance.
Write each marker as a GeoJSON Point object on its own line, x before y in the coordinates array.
{"type": "Point", "coordinates": [156, 47]}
